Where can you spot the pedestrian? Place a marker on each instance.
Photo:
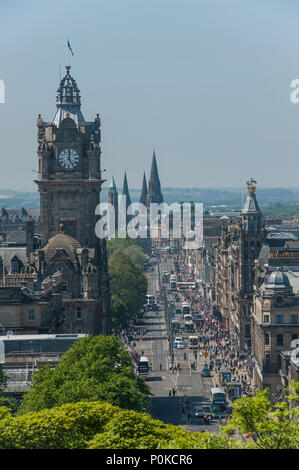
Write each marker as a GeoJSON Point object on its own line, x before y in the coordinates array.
{"type": "Point", "coordinates": [169, 394]}
{"type": "Point", "coordinates": [173, 392]}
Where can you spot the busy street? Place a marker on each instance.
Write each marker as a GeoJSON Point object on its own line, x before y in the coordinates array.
{"type": "Point", "coordinates": [190, 357]}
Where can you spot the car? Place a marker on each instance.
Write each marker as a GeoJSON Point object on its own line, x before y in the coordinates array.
{"type": "Point", "coordinates": [205, 372]}
{"type": "Point", "coordinates": [199, 412]}
{"type": "Point", "coordinates": [178, 339]}
{"type": "Point", "coordinates": [180, 345]}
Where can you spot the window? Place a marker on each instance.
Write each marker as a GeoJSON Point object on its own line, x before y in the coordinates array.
{"type": "Point", "coordinates": [79, 313]}
{"type": "Point", "coordinates": [63, 312]}
{"type": "Point", "coordinates": [267, 339]}
{"type": "Point", "coordinates": [279, 339]}
{"type": "Point", "coordinates": [279, 318]}
{"type": "Point", "coordinates": [78, 331]}
{"type": "Point", "coordinates": [31, 315]}
{"type": "Point", "coordinates": [65, 287]}
{"type": "Point", "coordinates": [15, 267]}
{"type": "Point", "coordinates": [266, 318]}
{"type": "Point", "coordinates": [294, 319]}
{"type": "Point", "coordinates": [294, 336]}
{"type": "Point", "coordinates": [104, 306]}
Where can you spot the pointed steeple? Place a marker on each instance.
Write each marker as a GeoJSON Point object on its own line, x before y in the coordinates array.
{"type": "Point", "coordinates": [113, 200]}
{"type": "Point", "coordinates": [112, 184]}
{"type": "Point", "coordinates": [126, 191]}
{"type": "Point", "coordinates": [154, 185]}
{"type": "Point", "coordinates": [143, 195]}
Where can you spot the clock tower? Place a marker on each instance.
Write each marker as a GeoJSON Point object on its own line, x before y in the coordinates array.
{"type": "Point", "coordinates": [69, 182]}
{"type": "Point", "coordinates": [69, 168]}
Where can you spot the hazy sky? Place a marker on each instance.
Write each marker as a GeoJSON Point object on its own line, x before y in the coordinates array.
{"type": "Point", "coordinates": [206, 83]}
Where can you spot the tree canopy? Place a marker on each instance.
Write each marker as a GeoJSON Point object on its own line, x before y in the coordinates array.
{"type": "Point", "coordinates": [128, 287]}
{"type": "Point", "coordinates": [95, 368]}
{"type": "Point", "coordinates": [256, 423]}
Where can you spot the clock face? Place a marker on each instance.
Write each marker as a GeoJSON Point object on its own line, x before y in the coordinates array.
{"type": "Point", "coordinates": [68, 158]}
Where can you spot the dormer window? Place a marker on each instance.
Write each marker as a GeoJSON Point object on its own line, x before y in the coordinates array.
{"type": "Point", "coordinates": [15, 267]}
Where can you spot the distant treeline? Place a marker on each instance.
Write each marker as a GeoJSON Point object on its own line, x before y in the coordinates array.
{"type": "Point", "coordinates": [273, 201]}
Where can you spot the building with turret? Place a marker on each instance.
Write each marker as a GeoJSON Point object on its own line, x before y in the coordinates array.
{"type": "Point", "coordinates": [235, 258]}
{"type": "Point", "coordinates": [69, 181]}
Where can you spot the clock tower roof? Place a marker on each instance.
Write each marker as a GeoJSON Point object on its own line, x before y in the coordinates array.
{"type": "Point", "coordinates": [68, 100]}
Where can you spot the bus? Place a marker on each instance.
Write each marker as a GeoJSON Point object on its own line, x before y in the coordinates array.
{"type": "Point", "coordinates": [218, 401]}
{"type": "Point", "coordinates": [143, 367]}
{"type": "Point", "coordinates": [185, 308]}
{"type": "Point", "coordinates": [189, 326]}
{"type": "Point", "coordinates": [188, 317]}
{"type": "Point", "coordinates": [186, 285]}
{"type": "Point", "coordinates": [172, 282]}
{"type": "Point", "coordinates": [150, 302]}
{"type": "Point", "coordinates": [193, 342]}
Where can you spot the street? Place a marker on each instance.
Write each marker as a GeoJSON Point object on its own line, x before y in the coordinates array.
{"type": "Point", "coordinates": [190, 388]}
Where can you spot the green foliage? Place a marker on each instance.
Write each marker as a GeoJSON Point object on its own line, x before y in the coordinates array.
{"type": "Point", "coordinates": [268, 425]}
{"type": "Point", "coordinates": [3, 380]}
{"type": "Point", "coordinates": [136, 255]}
{"type": "Point", "coordinates": [70, 426]}
{"type": "Point", "coordinates": [4, 412]}
{"type": "Point", "coordinates": [128, 287]}
{"type": "Point", "coordinates": [119, 244]}
{"type": "Point", "coordinates": [96, 425]}
{"type": "Point", "coordinates": [94, 368]}
{"type": "Point", "coordinates": [256, 423]}
{"type": "Point", "coordinates": [281, 210]}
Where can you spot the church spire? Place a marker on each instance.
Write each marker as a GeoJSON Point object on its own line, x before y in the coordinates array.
{"type": "Point", "coordinates": [126, 191]}
{"type": "Point", "coordinates": [143, 195]}
{"type": "Point", "coordinates": [154, 185]}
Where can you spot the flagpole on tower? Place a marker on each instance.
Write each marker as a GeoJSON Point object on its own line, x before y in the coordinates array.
{"type": "Point", "coordinates": [69, 49]}
{"type": "Point", "coordinates": [68, 52]}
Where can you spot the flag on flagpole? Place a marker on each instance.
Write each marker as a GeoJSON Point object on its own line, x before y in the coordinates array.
{"type": "Point", "coordinates": [69, 46]}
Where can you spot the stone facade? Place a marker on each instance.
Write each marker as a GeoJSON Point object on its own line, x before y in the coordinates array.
{"type": "Point", "coordinates": [69, 182]}
{"type": "Point", "coordinates": [235, 257]}
{"type": "Point", "coordinates": [275, 324]}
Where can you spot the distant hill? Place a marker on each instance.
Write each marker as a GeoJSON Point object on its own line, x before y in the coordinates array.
{"type": "Point", "coordinates": [271, 200]}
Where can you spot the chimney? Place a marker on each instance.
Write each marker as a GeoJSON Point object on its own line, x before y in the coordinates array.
{"type": "Point", "coordinates": [29, 236]}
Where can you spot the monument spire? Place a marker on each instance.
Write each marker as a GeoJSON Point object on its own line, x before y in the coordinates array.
{"type": "Point", "coordinates": [154, 186]}
{"type": "Point", "coordinates": [143, 195]}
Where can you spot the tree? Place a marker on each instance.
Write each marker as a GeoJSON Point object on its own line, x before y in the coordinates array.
{"type": "Point", "coordinates": [5, 400]}
{"type": "Point", "coordinates": [94, 368]}
{"type": "Point", "coordinates": [120, 244]}
{"type": "Point", "coordinates": [136, 254]}
{"type": "Point", "coordinates": [96, 425]}
{"type": "Point", "coordinates": [269, 425]}
{"type": "Point", "coordinates": [128, 287]}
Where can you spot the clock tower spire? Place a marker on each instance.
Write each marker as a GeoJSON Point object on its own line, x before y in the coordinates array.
{"type": "Point", "coordinates": [69, 167]}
